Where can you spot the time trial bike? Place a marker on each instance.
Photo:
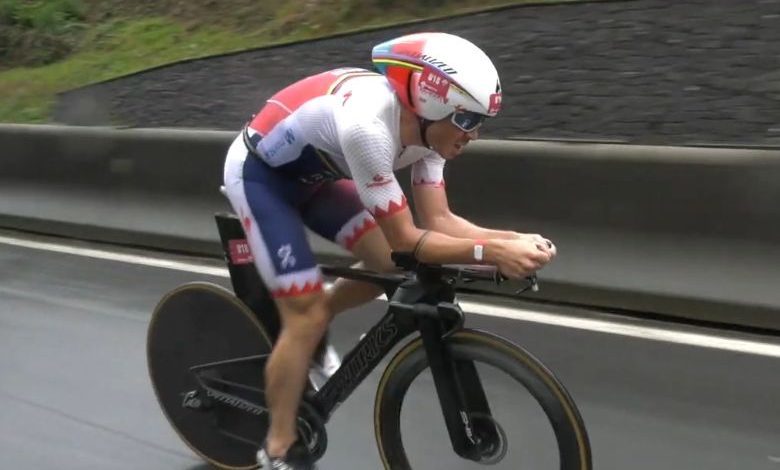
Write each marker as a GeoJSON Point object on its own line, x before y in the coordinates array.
{"type": "Point", "coordinates": [207, 347]}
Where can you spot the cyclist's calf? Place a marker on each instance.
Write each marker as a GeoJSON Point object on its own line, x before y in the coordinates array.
{"type": "Point", "coordinates": [304, 322]}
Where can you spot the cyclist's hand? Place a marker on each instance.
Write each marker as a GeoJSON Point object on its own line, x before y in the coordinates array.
{"type": "Point", "coordinates": [521, 257]}
{"type": "Point", "coordinates": [543, 243]}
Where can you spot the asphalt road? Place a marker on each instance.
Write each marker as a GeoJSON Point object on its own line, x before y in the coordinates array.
{"type": "Point", "coordinates": [76, 395]}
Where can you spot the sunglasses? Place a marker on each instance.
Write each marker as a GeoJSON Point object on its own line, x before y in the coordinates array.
{"type": "Point", "coordinates": [467, 121]}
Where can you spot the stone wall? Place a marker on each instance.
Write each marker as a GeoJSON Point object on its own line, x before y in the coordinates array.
{"type": "Point", "coordinates": [644, 71]}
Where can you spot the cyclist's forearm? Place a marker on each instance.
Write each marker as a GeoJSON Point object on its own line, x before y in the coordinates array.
{"type": "Point", "coordinates": [440, 248]}
{"type": "Point", "coordinates": [459, 227]}
{"type": "Point", "coordinates": [429, 245]}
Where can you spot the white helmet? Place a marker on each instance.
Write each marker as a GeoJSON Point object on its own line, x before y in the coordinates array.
{"type": "Point", "coordinates": [437, 74]}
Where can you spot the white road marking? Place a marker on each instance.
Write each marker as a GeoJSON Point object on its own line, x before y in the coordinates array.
{"type": "Point", "coordinates": [114, 256]}
{"type": "Point", "coordinates": [774, 459]}
{"type": "Point", "coordinates": [637, 331]}
{"type": "Point", "coordinates": [602, 326]}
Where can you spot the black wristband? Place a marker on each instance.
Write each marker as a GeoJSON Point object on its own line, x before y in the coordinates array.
{"type": "Point", "coordinates": [420, 243]}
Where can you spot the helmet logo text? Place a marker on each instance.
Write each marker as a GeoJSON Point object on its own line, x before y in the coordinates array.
{"type": "Point", "coordinates": [436, 63]}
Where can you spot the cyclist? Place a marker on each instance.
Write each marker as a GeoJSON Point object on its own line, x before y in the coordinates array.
{"type": "Point", "coordinates": [321, 153]}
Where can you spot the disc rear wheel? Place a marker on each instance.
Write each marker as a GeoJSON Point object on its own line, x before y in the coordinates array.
{"type": "Point", "coordinates": [202, 323]}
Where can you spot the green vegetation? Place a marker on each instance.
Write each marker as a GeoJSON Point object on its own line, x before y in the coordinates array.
{"type": "Point", "coordinates": [117, 48]}
{"type": "Point", "coordinates": [35, 33]}
{"type": "Point", "coordinates": [48, 46]}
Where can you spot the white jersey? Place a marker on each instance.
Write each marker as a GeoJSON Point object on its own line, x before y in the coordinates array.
{"type": "Point", "coordinates": [343, 123]}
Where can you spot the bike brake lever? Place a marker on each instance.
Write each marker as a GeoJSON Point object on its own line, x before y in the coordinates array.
{"type": "Point", "coordinates": [533, 284]}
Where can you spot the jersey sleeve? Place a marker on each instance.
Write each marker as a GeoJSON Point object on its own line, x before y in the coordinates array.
{"type": "Point", "coordinates": [429, 171]}
{"type": "Point", "coordinates": [369, 151]}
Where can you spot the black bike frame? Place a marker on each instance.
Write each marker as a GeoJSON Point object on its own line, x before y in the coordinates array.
{"type": "Point", "coordinates": [404, 316]}
{"type": "Point", "coordinates": [423, 304]}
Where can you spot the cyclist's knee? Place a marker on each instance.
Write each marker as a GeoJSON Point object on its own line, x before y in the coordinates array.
{"type": "Point", "coordinates": [305, 314]}
{"type": "Point", "coordinates": [382, 264]}
{"type": "Point", "coordinates": [374, 251]}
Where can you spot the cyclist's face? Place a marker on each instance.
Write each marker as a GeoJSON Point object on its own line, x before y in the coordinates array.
{"type": "Point", "coordinates": [449, 140]}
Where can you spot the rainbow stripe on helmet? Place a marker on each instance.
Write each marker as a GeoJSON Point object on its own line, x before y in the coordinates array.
{"type": "Point", "coordinates": [381, 62]}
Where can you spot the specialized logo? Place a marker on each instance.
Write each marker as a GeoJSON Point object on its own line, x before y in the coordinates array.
{"type": "Point", "coordinates": [379, 180]}
{"type": "Point", "coordinates": [285, 254]}
{"type": "Point", "coordinates": [370, 350]}
{"type": "Point", "coordinates": [236, 402]}
{"type": "Point", "coordinates": [436, 63]}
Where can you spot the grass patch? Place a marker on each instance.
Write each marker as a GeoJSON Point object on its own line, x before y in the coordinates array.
{"type": "Point", "coordinates": [115, 45]}
{"type": "Point", "coordinates": [117, 49]}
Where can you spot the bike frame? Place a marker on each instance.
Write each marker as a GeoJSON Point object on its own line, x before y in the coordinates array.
{"type": "Point", "coordinates": [424, 304]}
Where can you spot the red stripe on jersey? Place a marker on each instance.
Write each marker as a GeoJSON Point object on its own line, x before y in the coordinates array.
{"type": "Point", "coordinates": [295, 290]}
{"type": "Point", "coordinates": [424, 182]}
{"type": "Point", "coordinates": [392, 208]}
{"type": "Point", "coordinates": [358, 232]}
{"type": "Point", "coordinates": [268, 117]}
{"type": "Point", "coordinates": [287, 100]}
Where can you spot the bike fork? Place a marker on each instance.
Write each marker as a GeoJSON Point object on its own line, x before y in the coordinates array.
{"type": "Point", "coordinates": [460, 392]}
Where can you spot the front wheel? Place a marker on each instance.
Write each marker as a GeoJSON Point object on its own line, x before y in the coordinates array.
{"type": "Point", "coordinates": [533, 421]}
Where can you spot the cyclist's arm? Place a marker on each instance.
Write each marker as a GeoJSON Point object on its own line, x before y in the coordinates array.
{"type": "Point", "coordinates": [432, 206]}
{"type": "Point", "coordinates": [369, 150]}
{"type": "Point", "coordinates": [434, 213]}
{"type": "Point", "coordinates": [403, 235]}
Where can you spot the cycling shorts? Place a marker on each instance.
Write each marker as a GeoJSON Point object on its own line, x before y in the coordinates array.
{"type": "Point", "coordinates": [275, 209]}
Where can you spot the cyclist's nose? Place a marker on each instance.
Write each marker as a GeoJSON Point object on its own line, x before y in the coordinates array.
{"type": "Point", "coordinates": [473, 135]}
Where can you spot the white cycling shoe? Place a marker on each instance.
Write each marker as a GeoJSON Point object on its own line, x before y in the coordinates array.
{"type": "Point", "coordinates": [297, 459]}
{"type": "Point", "coordinates": [325, 363]}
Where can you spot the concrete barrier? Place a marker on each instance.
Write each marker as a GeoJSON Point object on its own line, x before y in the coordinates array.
{"type": "Point", "coordinates": [710, 192]}
{"type": "Point", "coordinates": [685, 232]}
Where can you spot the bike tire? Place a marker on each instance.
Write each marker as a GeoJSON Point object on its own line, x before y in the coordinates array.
{"type": "Point", "coordinates": [473, 345]}
{"type": "Point", "coordinates": [199, 323]}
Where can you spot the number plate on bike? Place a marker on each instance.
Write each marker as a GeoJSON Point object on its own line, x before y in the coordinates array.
{"type": "Point", "coordinates": [239, 252]}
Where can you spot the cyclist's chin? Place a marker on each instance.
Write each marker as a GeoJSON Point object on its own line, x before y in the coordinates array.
{"type": "Point", "coordinates": [453, 151]}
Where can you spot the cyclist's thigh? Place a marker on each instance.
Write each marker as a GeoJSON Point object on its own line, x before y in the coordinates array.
{"type": "Point", "coordinates": [335, 212]}
{"type": "Point", "coordinates": [274, 229]}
